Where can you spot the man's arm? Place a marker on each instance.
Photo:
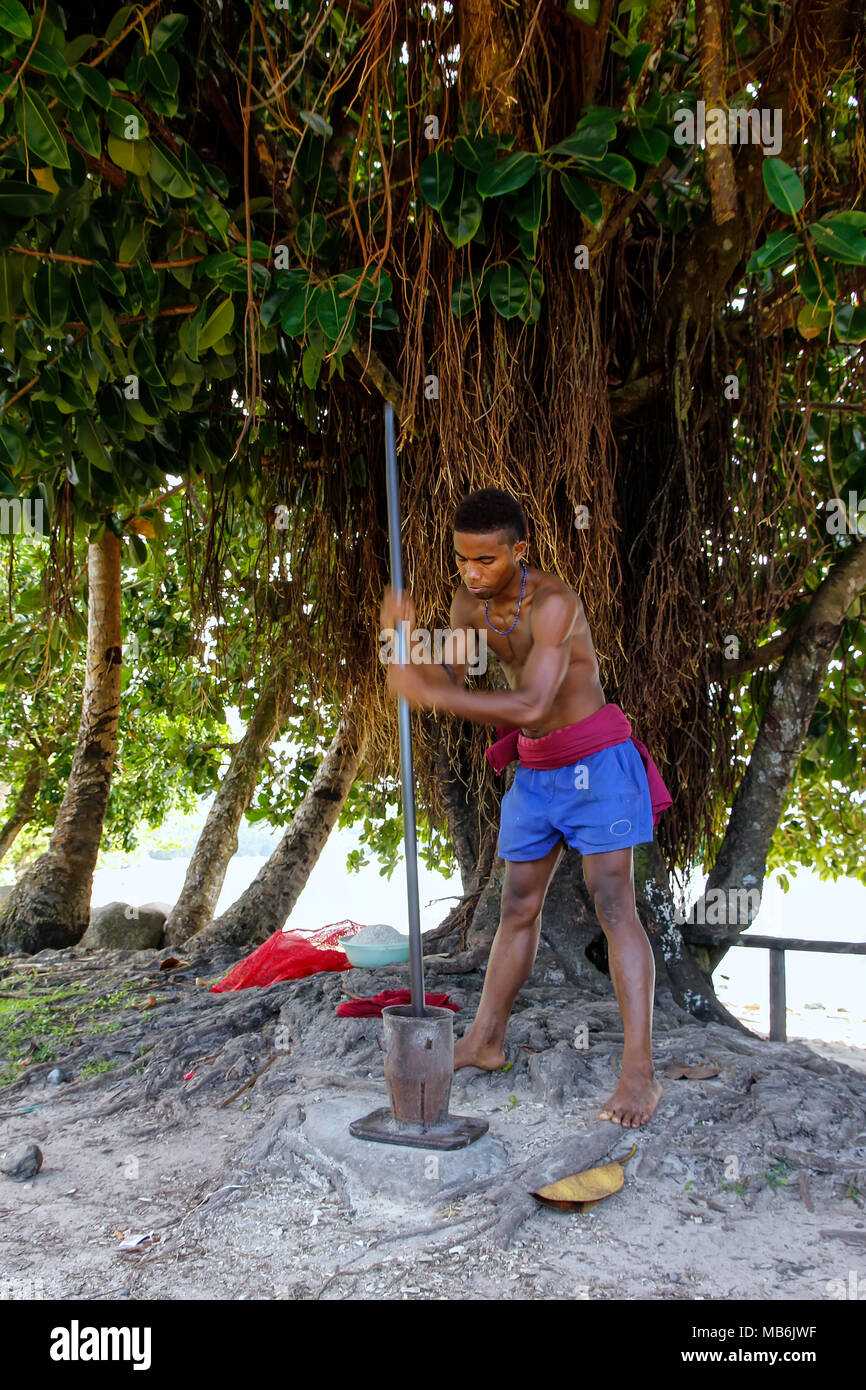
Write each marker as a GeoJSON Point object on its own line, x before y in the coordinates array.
{"type": "Point", "coordinates": [400, 608]}
{"type": "Point", "coordinates": [552, 624]}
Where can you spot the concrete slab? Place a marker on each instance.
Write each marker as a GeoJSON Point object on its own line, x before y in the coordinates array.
{"type": "Point", "coordinates": [389, 1169]}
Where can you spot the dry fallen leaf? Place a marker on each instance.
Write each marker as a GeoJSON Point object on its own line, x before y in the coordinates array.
{"type": "Point", "coordinates": [582, 1190]}
{"type": "Point", "coordinates": [677, 1070]}
{"type": "Point", "coordinates": [171, 963]}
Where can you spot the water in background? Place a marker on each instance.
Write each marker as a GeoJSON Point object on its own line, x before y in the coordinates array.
{"type": "Point", "coordinates": [826, 993]}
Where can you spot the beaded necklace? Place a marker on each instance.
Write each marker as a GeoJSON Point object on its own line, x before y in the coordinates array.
{"type": "Point", "coordinates": [517, 614]}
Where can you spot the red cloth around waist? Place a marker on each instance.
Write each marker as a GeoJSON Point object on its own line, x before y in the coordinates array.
{"type": "Point", "coordinates": [607, 727]}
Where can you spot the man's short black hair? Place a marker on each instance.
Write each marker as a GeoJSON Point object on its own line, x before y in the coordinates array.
{"type": "Point", "coordinates": [491, 509]}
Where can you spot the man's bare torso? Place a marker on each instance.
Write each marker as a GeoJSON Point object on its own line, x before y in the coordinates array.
{"type": "Point", "coordinates": [580, 693]}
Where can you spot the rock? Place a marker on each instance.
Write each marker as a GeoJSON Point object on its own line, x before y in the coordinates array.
{"type": "Point", "coordinates": [55, 1077]}
{"type": "Point", "coordinates": [164, 908]}
{"type": "Point", "coordinates": [555, 1075]}
{"type": "Point", "coordinates": [120, 926]}
{"type": "Point", "coordinates": [21, 1163]}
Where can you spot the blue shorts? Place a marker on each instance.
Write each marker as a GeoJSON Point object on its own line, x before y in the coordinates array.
{"type": "Point", "coordinates": [600, 803]}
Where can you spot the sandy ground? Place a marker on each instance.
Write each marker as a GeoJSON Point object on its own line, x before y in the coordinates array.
{"type": "Point", "coordinates": [749, 1185]}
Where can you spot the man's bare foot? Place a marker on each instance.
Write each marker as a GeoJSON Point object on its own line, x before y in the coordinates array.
{"type": "Point", "coordinates": [633, 1101]}
{"type": "Point", "coordinates": [469, 1053]}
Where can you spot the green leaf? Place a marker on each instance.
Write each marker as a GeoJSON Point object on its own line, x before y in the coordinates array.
{"type": "Point", "coordinates": [614, 169]}
{"type": "Point", "coordinates": [15, 19]}
{"type": "Point", "coordinates": [297, 310]}
{"type": "Point", "coordinates": [95, 85]}
{"type": "Point", "coordinates": [526, 210]}
{"type": "Point", "coordinates": [473, 154]}
{"type": "Point", "coordinates": [584, 198]}
{"type": "Point", "coordinates": [311, 365]}
{"type": "Point", "coordinates": [817, 281]}
{"type": "Point", "coordinates": [461, 212]}
{"type": "Point", "coordinates": [637, 58]}
{"type": "Point", "coordinates": [11, 283]}
{"type": "Point", "coordinates": [19, 199]}
{"type": "Point", "coordinates": [50, 295]}
{"type": "Point", "coordinates": [85, 129]}
{"type": "Point", "coordinates": [589, 141]}
{"type": "Point", "coordinates": [509, 291]}
{"type": "Point", "coordinates": [45, 58]}
{"type": "Point", "coordinates": [90, 444]}
{"type": "Point", "coordinates": [11, 446]}
{"type": "Point", "coordinates": [849, 323]}
{"type": "Point", "coordinates": [310, 234]}
{"type": "Point", "coordinates": [336, 315]}
{"type": "Point", "coordinates": [649, 146]}
{"type": "Point", "coordinates": [318, 125]}
{"type": "Point", "coordinates": [779, 246]}
{"type": "Point", "coordinates": [812, 321]}
{"type": "Point", "coordinates": [40, 132]}
{"type": "Point", "coordinates": [168, 173]}
{"type": "Point", "coordinates": [168, 31]}
{"type": "Point", "coordinates": [217, 326]}
{"type": "Point", "coordinates": [132, 155]}
{"type": "Point", "coordinates": [372, 286]}
{"type": "Point", "coordinates": [125, 120]}
{"type": "Point", "coordinates": [436, 177]}
{"type": "Point", "coordinates": [117, 22]}
{"type": "Point", "coordinates": [840, 242]}
{"type": "Point", "coordinates": [848, 219]}
{"type": "Point", "coordinates": [506, 175]}
{"type": "Point", "coordinates": [462, 296]}
{"type": "Point", "coordinates": [784, 189]}
{"type": "Point", "coordinates": [162, 71]}
{"type": "Point", "coordinates": [77, 47]}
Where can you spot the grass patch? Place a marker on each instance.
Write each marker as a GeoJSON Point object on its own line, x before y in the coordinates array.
{"type": "Point", "coordinates": [94, 1068]}
{"type": "Point", "coordinates": [39, 1025]}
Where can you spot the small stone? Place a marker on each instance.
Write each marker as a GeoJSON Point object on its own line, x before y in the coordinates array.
{"type": "Point", "coordinates": [21, 1163]}
{"type": "Point", "coordinates": [55, 1077]}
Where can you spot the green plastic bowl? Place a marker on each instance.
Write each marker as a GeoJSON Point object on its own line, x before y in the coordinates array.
{"type": "Point", "coordinates": [370, 956]}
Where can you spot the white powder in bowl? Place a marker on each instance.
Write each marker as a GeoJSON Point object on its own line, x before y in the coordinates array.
{"type": "Point", "coordinates": [379, 934]}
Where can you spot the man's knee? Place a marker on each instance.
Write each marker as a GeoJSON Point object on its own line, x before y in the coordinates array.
{"type": "Point", "coordinates": [519, 908]}
{"type": "Point", "coordinates": [614, 903]}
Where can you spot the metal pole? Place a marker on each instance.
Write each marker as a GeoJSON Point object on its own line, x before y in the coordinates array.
{"type": "Point", "coordinates": [407, 775]}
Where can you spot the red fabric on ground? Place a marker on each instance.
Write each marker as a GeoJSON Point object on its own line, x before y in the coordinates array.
{"type": "Point", "coordinates": [372, 1007]}
{"type": "Point", "coordinates": [290, 955]}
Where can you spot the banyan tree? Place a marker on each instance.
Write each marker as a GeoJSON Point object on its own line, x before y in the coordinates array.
{"type": "Point", "coordinates": [609, 257]}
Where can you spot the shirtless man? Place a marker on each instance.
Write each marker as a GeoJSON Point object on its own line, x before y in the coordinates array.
{"type": "Point", "coordinates": [537, 628]}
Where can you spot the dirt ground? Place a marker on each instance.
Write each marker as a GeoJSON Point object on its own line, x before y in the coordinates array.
{"type": "Point", "coordinates": [204, 1136]}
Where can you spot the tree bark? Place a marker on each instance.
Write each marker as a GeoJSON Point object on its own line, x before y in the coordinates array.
{"type": "Point", "coordinates": [263, 908]}
{"type": "Point", "coordinates": [674, 960]}
{"type": "Point", "coordinates": [22, 811]}
{"type": "Point", "coordinates": [50, 906]}
{"type": "Point", "coordinates": [218, 841]}
{"type": "Point", "coordinates": [757, 807]}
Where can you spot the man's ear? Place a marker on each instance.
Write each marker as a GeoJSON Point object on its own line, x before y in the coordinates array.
{"type": "Point", "coordinates": [519, 550]}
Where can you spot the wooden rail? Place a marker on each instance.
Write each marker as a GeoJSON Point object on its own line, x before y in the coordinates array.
{"type": "Point", "coordinates": [777, 946]}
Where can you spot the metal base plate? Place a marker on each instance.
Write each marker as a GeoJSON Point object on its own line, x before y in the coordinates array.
{"type": "Point", "coordinates": [454, 1132]}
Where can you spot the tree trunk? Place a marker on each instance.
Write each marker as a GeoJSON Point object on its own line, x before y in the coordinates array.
{"type": "Point", "coordinates": [50, 906]}
{"type": "Point", "coordinates": [675, 962]}
{"type": "Point", "coordinates": [22, 811]}
{"type": "Point", "coordinates": [219, 838]}
{"type": "Point", "coordinates": [760, 800]}
{"type": "Point", "coordinates": [263, 908]}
